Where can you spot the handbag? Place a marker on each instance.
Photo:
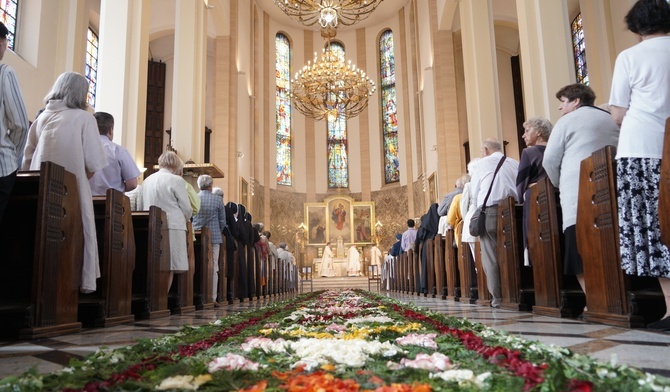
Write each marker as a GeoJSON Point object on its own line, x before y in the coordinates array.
{"type": "Point", "coordinates": [478, 221]}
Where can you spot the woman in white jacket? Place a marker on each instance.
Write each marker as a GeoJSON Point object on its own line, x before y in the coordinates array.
{"type": "Point", "coordinates": [468, 208]}
{"type": "Point", "coordinates": [166, 190]}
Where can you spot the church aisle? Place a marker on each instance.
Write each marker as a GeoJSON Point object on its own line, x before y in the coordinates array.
{"type": "Point", "coordinates": [640, 348]}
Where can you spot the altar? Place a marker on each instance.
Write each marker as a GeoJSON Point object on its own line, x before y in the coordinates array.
{"type": "Point", "coordinates": [339, 265]}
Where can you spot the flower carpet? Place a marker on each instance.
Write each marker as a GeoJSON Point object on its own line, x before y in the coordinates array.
{"type": "Point", "coordinates": [339, 341]}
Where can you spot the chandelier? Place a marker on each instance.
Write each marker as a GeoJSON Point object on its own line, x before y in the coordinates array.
{"type": "Point", "coordinates": [328, 88]}
{"type": "Point", "coordinates": [328, 13]}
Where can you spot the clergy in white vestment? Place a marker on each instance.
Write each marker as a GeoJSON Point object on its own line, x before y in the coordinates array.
{"type": "Point", "coordinates": [376, 257]}
{"type": "Point", "coordinates": [353, 262]}
{"type": "Point", "coordinates": [67, 135]}
{"type": "Point", "coordinates": [327, 267]}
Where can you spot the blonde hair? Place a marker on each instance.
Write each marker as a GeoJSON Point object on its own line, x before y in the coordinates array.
{"type": "Point", "coordinates": [171, 161]}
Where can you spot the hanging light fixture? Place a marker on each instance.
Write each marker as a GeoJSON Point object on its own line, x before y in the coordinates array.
{"type": "Point", "coordinates": [328, 88]}
{"type": "Point", "coordinates": [328, 13]}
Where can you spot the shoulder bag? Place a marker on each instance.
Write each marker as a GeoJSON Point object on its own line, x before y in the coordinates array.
{"type": "Point", "coordinates": [478, 221]}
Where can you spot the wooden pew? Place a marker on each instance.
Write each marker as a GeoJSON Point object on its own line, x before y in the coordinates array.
{"type": "Point", "coordinates": [430, 268]}
{"type": "Point", "coordinates": [111, 304]}
{"type": "Point", "coordinates": [556, 295]}
{"type": "Point", "coordinates": [451, 259]}
{"type": "Point", "coordinates": [180, 300]}
{"type": "Point", "coordinates": [516, 281]}
{"type": "Point", "coordinates": [152, 264]}
{"type": "Point", "coordinates": [204, 270]}
{"type": "Point", "coordinates": [466, 275]}
{"type": "Point", "coordinates": [440, 265]}
{"type": "Point", "coordinates": [610, 296]}
{"type": "Point", "coordinates": [223, 274]}
{"type": "Point", "coordinates": [664, 189]}
{"type": "Point", "coordinates": [483, 295]}
{"type": "Point", "coordinates": [42, 239]}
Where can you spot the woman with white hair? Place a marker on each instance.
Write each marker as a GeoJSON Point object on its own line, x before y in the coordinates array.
{"type": "Point", "coordinates": [468, 208]}
{"type": "Point", "coordinates": [66, 134]}
{"type": "Point", "coordinates": [166, 190]}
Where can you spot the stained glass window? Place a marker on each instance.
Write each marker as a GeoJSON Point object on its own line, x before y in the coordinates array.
{"type": "Point", "coordinates": [283, 108]}
{"type": "Point", "coordinates": [8, 13]}
{"type": "Point", "coordinates": [389, 109]}
{"type": "Point", "coordinates": [579, 50]}
{"type": "Point", "coordinates": [338, 162]}
{"type": "Point", "coordinates": [91, 69]}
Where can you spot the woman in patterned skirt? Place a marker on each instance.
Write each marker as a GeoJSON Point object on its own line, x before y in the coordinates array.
{"type": "Point", "coordinates": [640, 102]}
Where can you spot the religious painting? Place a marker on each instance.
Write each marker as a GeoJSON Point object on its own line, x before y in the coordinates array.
{"type": "Point", "coordinates": [432, 189]}
{"type": "Point", "coordinates": [315, 214]}
{"type": "Point", "coordinates": [363, 223]}
{"type": "Point", "coordinates": [339, 219]}
{"type": "Point", "coordinates": [244, 192]}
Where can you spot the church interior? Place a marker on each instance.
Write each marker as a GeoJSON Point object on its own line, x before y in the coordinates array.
{"type": "Point", "coordinates": [215, 82]}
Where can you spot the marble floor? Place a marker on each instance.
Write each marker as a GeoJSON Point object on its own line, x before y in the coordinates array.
{"type": "Point", "coordinates": [637, 347]}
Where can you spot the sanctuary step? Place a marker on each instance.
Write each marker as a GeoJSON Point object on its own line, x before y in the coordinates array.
{"type": "Point", "coordinates": [339, 282]}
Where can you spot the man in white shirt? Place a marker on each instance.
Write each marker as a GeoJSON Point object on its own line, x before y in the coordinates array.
{"type": "Point", "coordinates": [503, 187]}
{"type": "Point", "coordinates": [408, 237]}
{"type": "Point", "coordinates": [122, 172]}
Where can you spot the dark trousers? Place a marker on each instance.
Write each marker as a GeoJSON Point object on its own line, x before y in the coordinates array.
{"type": "Point", "coordinates": [6, 186]}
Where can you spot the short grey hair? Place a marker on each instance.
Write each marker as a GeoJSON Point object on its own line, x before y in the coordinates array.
{"type": "Point", "coordinates": [492, 145]}
{"type": "Point", "coordinates": [282, 245]}
{"type": "Point", "coordinates": [171, 161]}
{"type": "Point", "coordinates": [541, 125]}
{"type": "Point", "coordinates": [71, 88]}
{"type": "Point", "coordinates": [205, 181]}
{"type": "Point", "coordinates": [217, 191]}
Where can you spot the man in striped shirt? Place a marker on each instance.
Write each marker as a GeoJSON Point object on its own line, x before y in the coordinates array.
{"type": "Point", "coordinates": [13, 125]}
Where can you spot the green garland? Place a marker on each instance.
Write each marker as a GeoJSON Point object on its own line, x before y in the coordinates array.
{"type": "Point", "coordinates": [495, 360]}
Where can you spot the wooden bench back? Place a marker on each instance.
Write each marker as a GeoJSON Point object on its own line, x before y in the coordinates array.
{"type": "Point", "coordinates": [42, 236]}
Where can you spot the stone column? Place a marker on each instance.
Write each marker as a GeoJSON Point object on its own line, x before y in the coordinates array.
{"type": "Point", "coordinates": [546, 54]}
{"type": "Point", "coordinates": [481, 73]}
{"type": "Point", "coordinates": [188, 92]}
{"type": "Point", "coordinates": [122, 70]}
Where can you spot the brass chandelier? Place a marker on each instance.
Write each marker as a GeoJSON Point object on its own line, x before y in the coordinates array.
{"type": "Point", "coordinates": [328, 88]}
{"type": "Point", "coordinates": [328, 13]}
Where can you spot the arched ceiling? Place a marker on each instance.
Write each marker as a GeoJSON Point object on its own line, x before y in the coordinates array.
{"type": "Point", "coordinates": [387, 9]}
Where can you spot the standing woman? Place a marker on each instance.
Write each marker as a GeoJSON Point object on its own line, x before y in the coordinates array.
{"type": "Point", "coordinates": [67, 135]}
{"type": "Point", "coordinates": [640, 102]}
{"type": "Point", "coordinates": [166, 190]}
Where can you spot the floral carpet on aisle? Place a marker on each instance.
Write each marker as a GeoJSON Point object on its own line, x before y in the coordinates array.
{"type": "Point", "coordinates": [339, 341]}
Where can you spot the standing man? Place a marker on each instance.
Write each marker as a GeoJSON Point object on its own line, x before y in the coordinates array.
{"type": "Point", "coordinates": [408, 237]}
{"type": "Point", "coordinates": [504, 185]}
{"type": "Point", "coordinates": [122, 172]}
{"type": "Point", "coordinates": [13, 126]}
{"type": "Point", "coordinates": [211, 215]}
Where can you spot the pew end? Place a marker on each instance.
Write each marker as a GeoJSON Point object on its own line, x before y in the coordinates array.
{"type": "Point", "coordinates": [43, 238]}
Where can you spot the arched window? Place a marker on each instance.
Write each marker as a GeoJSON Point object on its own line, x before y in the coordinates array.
{"type": "Point", "coordinates": [8, 13]}
{"type": "Point", "coordinates": [389, 110]}
{"type": "Point", "coordinates": [91, 68]}
{"type": "Point", "coordinates": [579, 50]}
{"type": "Point", "coordinates": [338, 162]}
{"type": "Point", "coordinates": [283, 108]}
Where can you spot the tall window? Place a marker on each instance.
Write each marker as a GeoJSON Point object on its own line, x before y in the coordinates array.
{"type": "Point", "coordinates": [389, 110]}
{"type": "Point", "coordinates": [283, 108]}
{"type": "Point", "coordinates": [8, 13]}
{"type": "Point", "coordinates": [91, 68]}
{"type": "Point", "coordinates": [338, 162]}
{"type": "Point", "coordinates": [579, 50]}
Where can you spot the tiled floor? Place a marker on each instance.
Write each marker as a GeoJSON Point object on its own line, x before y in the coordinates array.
{"type": "Point", "coordinates": [640, 348]}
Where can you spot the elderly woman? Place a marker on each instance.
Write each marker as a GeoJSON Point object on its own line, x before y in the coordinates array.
{"type": "Point", "coordinates": [166, 190]}
{"type": "Point", "coordinates": [581, 130]}
{"type": "Point", "coordinates": [468, 207]}
{"type": "Point", "coordinates": [66, 134]}
{"type": "Point", "coordinates": [640, 102]}
{"type": "Point", "coordinates": [536, 135]}
{"type": "Point", "coordinates": [212, 216]}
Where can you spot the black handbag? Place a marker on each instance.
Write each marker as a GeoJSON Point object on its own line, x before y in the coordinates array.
{"type": "Point", "coordinates": [477, 225]}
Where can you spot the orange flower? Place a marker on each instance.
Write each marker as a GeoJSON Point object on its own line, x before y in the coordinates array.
{"type": "Point", "coordinates": [258, 387]}
{"type": "Point", "coordinates": [319, 382]}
